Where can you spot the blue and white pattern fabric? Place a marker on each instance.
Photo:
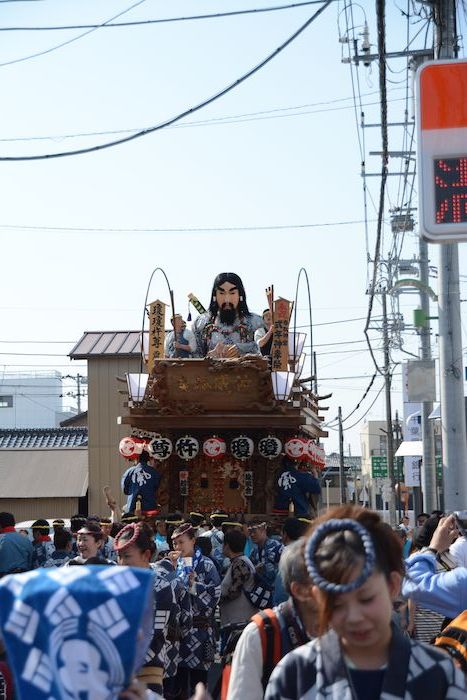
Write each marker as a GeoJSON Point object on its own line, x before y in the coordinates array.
{"type": "Point", "coordinates": [414, 671]}
{"type": "Point", "coordinates": [199, 647]}
{"type": "Point", "coordinates": [77, 632]}
{"type": "Point", "coordinates": [173, 619]}
{"type": "Point", "coordinates": [141, 480]}
{"type": "Point", "coordinates": [41, 551]}
{"type": "Point", "coordinates": [58, 558]}
{"type": "Point", "coordinates": [266, 562]}
{"type": "Point", "coordinates": [107, 550]}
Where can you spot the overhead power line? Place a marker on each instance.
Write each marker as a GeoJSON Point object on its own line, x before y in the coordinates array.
{"type": "Point", "coordinates": [162, 20]}
{"type": "Point", "coordinates": [181, 115]}
{"type": "Point", "coordinates": [276, 113]}
{"type": "Point", "coordinates": [70, 41]}
{"type": "Point", "coordinates": [183, 229]}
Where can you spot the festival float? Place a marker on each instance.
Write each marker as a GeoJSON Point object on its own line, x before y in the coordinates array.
{"type": "Point", "coordinates": [217, 414]}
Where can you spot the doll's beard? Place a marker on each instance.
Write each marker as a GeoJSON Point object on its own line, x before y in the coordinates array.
{"type": "Point", "coordinates": [228, 315]}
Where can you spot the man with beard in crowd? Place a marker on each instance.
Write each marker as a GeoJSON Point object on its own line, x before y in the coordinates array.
{"type": "Point", "coordinates": [228, 328]}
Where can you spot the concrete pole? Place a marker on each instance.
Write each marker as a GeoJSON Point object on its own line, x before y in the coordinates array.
{"type": "Point", "coordinates": [428, 473]}
{"type": "Point", "coordinates": [342, 481]}
{"type": "Point", "coordinates": [450, 346]}
{"type": "Point", "coordinates": [388, 431]}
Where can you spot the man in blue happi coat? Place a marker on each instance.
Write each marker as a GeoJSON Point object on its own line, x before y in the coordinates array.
{"type": "Point", "coordinates": [141, 480]}
{"type": "Point", "coordinates": [298, 487]}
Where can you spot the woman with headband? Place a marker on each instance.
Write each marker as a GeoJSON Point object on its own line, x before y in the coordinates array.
{"type": "Point", "coordinates": [355, 562]}
{"type": "Point", "coordinates": [200, 578]}
{"type": "Point", "coordinates": [135, 546]}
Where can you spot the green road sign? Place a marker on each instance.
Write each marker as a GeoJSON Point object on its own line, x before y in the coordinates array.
{"type": "Point", "coordinates": [379, 468]}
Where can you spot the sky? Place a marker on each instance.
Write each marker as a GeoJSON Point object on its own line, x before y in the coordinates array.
{"type": "Point", "coordinates": [262, 194]}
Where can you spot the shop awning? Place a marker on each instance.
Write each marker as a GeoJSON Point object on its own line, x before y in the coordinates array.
{"type": "Point", "coordinates": [410, 448]}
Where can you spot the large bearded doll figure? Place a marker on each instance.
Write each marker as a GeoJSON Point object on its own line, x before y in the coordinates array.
{"type": "Point", "coordinates": [228, 328]}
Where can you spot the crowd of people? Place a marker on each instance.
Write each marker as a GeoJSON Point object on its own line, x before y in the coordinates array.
{"type": "Point", "coordinates": [290, 609]}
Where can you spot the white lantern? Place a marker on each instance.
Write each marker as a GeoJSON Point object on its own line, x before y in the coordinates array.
{"type": "Point", "coordinates": [160, 448]}
{"type": "Point", "coordinates": [187, 447]}
{"type": "Point", "coordinates": [270, 447]}
{"type": "Point", "coordinates": [242, 447]}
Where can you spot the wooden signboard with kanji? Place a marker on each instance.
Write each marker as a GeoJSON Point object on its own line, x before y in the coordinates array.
{"type": "Point", "coordinates": [280, 343]}
{"type": "Point", "coordinates": [156, 332]}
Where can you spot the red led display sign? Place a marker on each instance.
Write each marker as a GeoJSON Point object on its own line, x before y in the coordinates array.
{"type": "Point", "coordinates": [441, 150]}
{"type": "Point", "coordinates": [450, 190]}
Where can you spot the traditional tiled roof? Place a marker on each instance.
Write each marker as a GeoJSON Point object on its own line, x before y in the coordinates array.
{"type": "Point", "coordinates": [110, 343]}
{"type": "Point", "coordinates": [352, 462]}
{"type": "Point", "coordinates": [44, 438]}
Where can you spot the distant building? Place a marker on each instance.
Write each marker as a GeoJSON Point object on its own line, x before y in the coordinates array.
{"type": "Point", "coordinates": [331, 480]}
{"type": "Point", "coordinates": [32, 400]}
{"type": "Point", "coordinates": [109, 355]}
{"type": "Point", "coordinates": [44, 472]}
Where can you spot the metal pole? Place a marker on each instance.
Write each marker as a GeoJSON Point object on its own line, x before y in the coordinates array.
{"type": "Point", "coordinates": [315, 373]}
{"type": "Point", "coordinates": [389, 434]}
{"type": "Point", "coordinates": [341, 458]}
{"type": "Point", "coordinates": [428, 471]}
{"type": "Point", "coordinates": [450, 345]}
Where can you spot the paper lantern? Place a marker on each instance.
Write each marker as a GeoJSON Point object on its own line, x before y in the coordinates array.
{"type": "Point", "coordinates": [214, 447]}
{"type": "Point", "coordinates": [270, 447]}
{"type": "Point", "coordinates": [187, 447]}
{"type": "Point", "coordinates": [161, 448]}
{"type": "Point", "coordinates": [127, 448]}
{"type": "Point", "coordinates": [315, 454]}
{"type": "Point", "coordinates": [242, 447]}
{"type": "Point", "coordinates": [296, 448]}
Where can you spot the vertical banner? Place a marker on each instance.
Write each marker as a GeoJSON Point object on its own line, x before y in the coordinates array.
{"type": "Point", "coordinates": [280, 343]}
{"type": "Point", "coordinates": [156, 332]}
{"type": "Point", "coordinates": [412, 430]}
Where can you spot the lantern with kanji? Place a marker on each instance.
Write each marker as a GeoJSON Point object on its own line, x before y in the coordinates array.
{"type": "Point", "coordinates": [241, 447]}
{"type": "Point", "coordinates": [296, 448]}
{"type": "Point", "coordinates": [129, 448]}
{"type": "Point", "coordinates": [160, 448]}
{"type": "Point", "coordinates": [270, 447]}
{"type": "Point", "coordinates": [187, 447]}
{"type": "Point", "coordinates": [214, 447]}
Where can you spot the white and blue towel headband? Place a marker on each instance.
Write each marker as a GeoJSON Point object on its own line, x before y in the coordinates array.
{"type": "Point", "coordinates": [337, 525]}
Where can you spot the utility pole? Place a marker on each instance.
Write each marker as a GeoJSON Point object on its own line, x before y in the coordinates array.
{"type": "Point", "coordinates": [78, 391]}
{"type": "Point", "coordinates": [341, 458]}
{"type": "Point", "coordinates": [389, 433]}
{"type": "Point", "coordinates": [428, 471]}
{"type": "Point", "coordinates": [450, 345]}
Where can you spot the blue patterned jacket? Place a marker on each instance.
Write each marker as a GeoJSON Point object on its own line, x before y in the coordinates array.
{"type": "Point", "coordinates": [198, 648]}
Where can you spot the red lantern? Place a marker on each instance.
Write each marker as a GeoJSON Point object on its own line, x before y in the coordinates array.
{"type": "Point", "coordinates": [214, 447]}
{"type": "Point", "coordinates": [296, 448]}
{"type": "Point", "coordinates": [315, 454]}
{"type": "Point", "coordinates": [128, 448]}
